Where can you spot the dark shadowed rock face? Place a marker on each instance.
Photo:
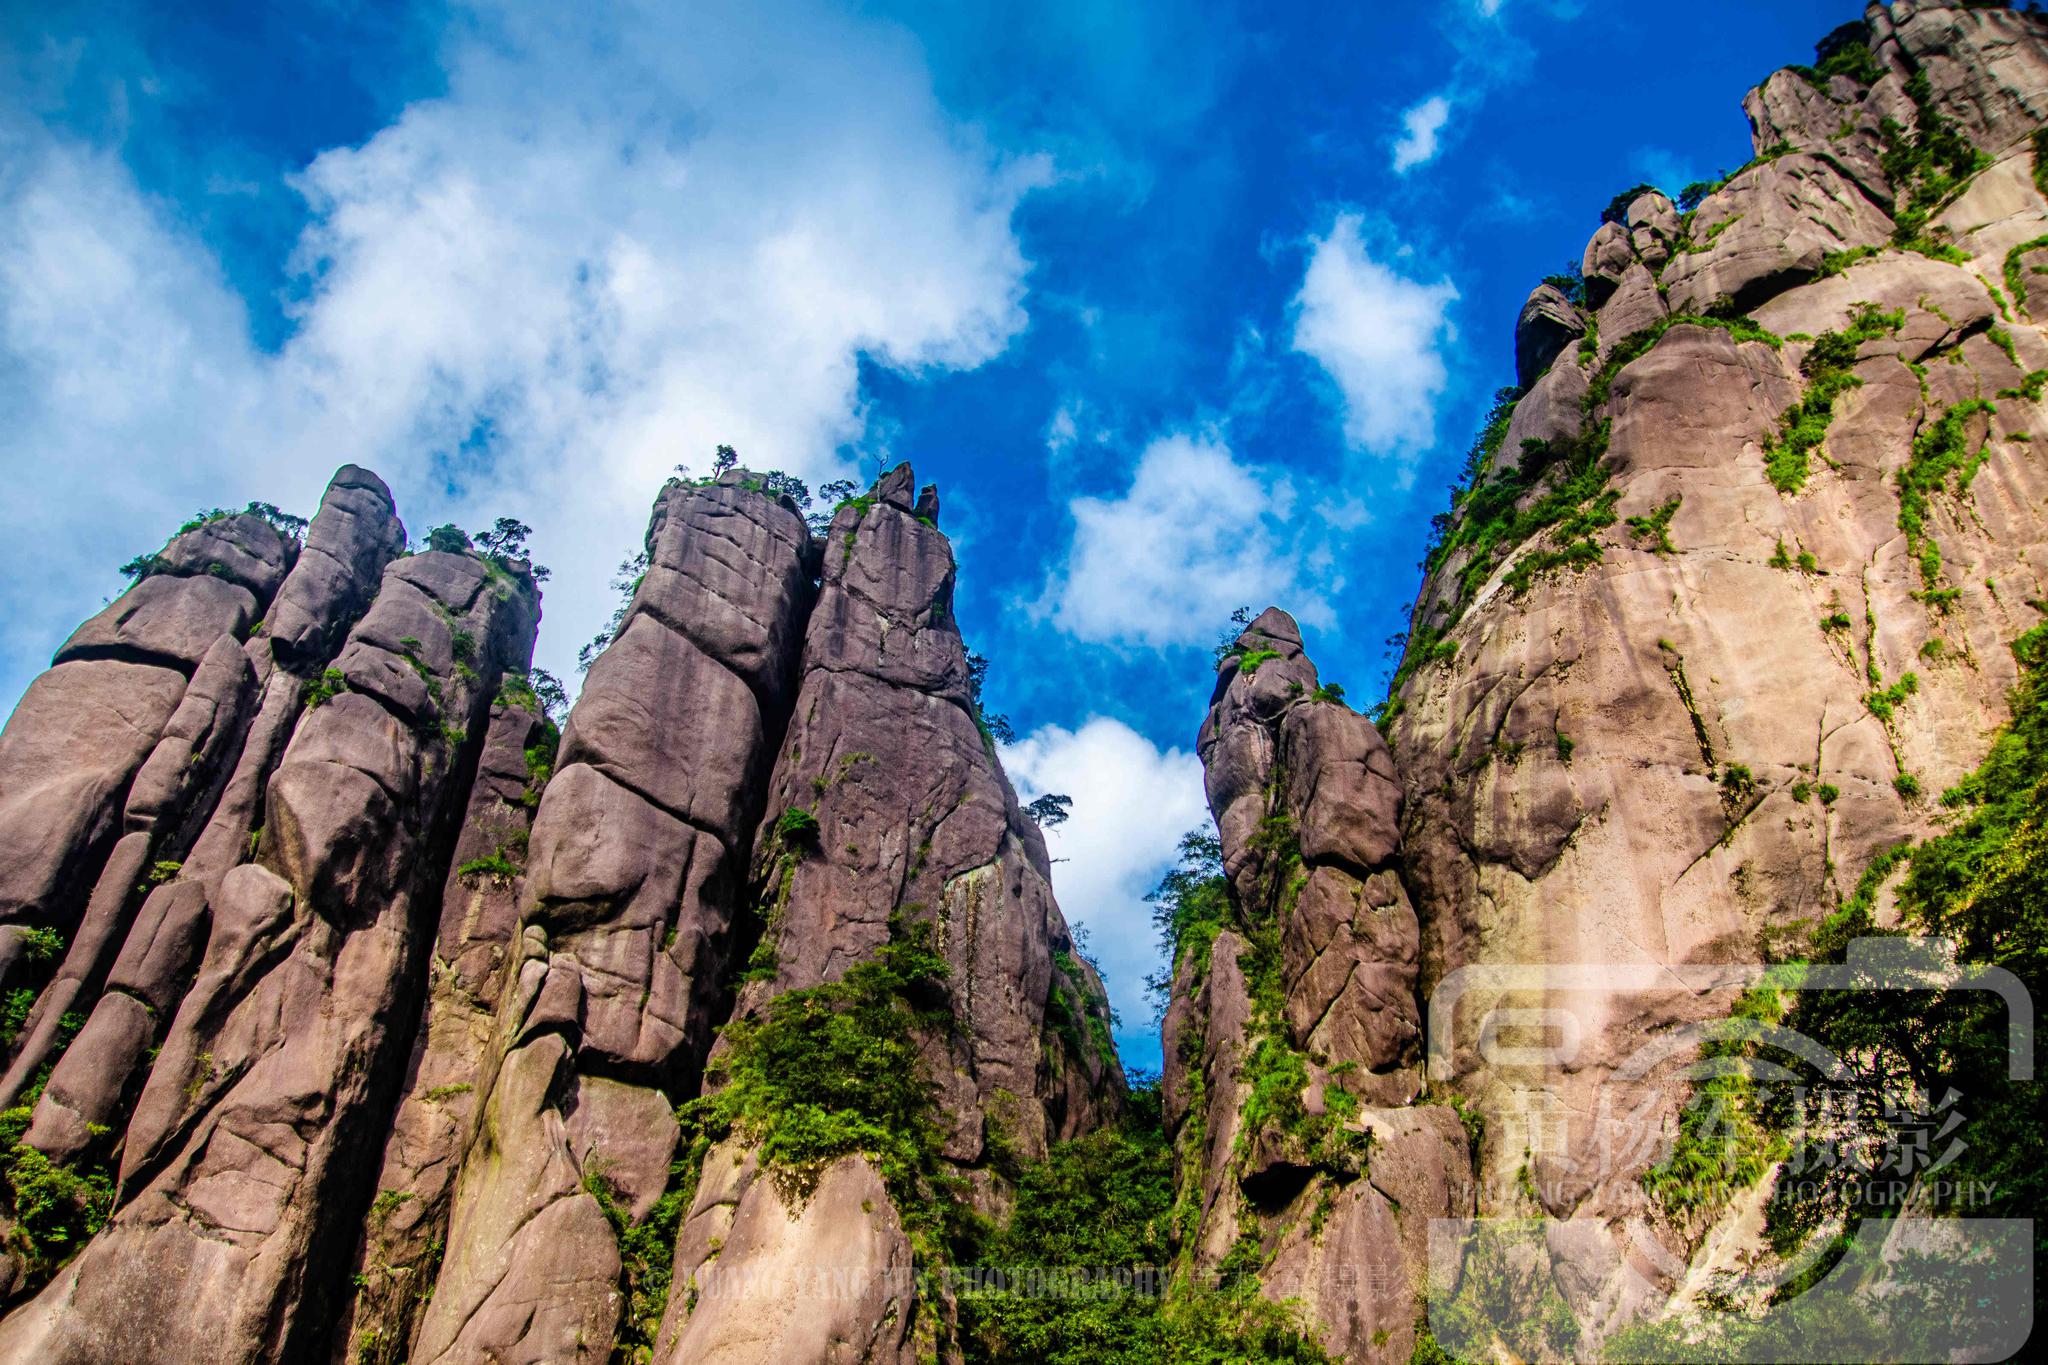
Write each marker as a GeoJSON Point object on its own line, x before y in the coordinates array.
{"type": "Point", "coordinates": [1549, 322]}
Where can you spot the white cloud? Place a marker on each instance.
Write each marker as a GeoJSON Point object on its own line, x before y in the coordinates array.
{"type": "Point", "coordinates": [1377, 333]}
{"type": "Point", "coordinates": [1132, 802]}
{"type": "Point", "coordinates": [1422, 123]}
{"type": "Point", "coordinates": [1489, 8]}
{"type": "Point", "coordinates": [610, 245]}
{"type": "Point", "coordinates": [1196, 537]}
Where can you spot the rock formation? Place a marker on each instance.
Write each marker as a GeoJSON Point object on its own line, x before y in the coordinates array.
{"type": "Point", "coordinates": [345, 971]}
{"type": "Point", "coordinates": [1293, 1041]}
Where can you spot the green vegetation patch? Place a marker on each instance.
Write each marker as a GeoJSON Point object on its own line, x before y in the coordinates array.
{"type": "Point", "coordinates": [1826, 365]}
{"type": "Point", "coordinates": [1940, 452]}
{"type": "Point", "coordinates": [1102, 1203]}
{"type": "Point", "coordinates": [325, 688]}
{"type": "Point", "coordinates": [1928, 166]}
{"type": "Point", "coordinates": [2015, 273]}
{"type": "Point", "coordinates": [1655, 527]}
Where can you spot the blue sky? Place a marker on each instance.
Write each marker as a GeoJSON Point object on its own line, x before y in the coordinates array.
{"type": "Point", "coordinates": [1184, 306]}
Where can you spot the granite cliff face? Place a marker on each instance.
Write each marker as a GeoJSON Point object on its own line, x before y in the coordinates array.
{"type": "Point", "coordinates": [359, 1017]}
{"type": "Point", "coordinates": [1726, 600]}
{"type": "Point", "coordinates": [1293, 1040]}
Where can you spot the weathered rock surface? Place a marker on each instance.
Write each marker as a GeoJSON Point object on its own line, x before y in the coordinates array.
{"type": "Point", "coordinates": [437, 1119]}
{"type": "Point", "coordinates": [241, 1161]}
{"type": "Point", "coordinates": [827, 1278]}
{"type": "Point", "coordinates": [379, 1019]}
{"type": "Point", "coordinates": [915, 821]}
{"type": "Point", "coordinates": [616, 966]}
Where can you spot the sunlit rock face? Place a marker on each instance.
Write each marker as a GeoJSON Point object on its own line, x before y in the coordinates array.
{"type": "Point", "coordinates": [1670, 717]}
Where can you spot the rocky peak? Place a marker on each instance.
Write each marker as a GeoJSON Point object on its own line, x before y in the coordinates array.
{"type": "Point", "coordinates": [1293, 1034]}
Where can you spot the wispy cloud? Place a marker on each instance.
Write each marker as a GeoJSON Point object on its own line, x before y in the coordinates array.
{"type": "Point", "coordinates": [1377, 333]}
{"type": "Point", "coordinates": [1418, 143]}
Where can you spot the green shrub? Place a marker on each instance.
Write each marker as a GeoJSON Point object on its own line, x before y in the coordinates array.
{"type": "Point", "coordinates": [2029, 388]}
{"type": "Point", "coordinates": [1907, 785]}
{"type": "Point", "coordinates": [1249, 662]}
{"type": "Point", "coordinates": [1737, 781]}
{"type": "Point", "coordinates": [1724, 1144]}
{"type": "Point", "coordinates": [14, 1012]}
{"type": "Point", "coordinates": [1655, 527]}
{"type": "Point", "coordinates": [1103, 1202]}
{"type": "Point", "coordinates": [1939, 452]}
{"type": "Point", "coordinates": [56, 1207]}
{"type": "Point", "coordinates": [449, 539]}
{"type": "Point", "coordinates": [326, 687]}
{"type": "Point", "coordinates": [42, 946]}
{"type": "Point", "coordinates": [1835, 262]}
{"type": "Point", "coordinates": [1882, 702]}
{"type": "Point", "coordinates": [839, 1068]}
{"type": "Point", "coordinates": [1804, 425]}
{"type": "Point", "coordinates": [1926, 167]}
{"type": "Point", "coordinates": [493, 866]}
{"type": "Point", "coordinates": [797, 827]}
{"type": "Point", "coordinates": [1843, 52]}
{"type": "Point", "coordinates": [1828, 791]}
{"type": "Point", "coordinates": [1835, 621]}
{"type": "Point", "coordinates": [2015, 278]}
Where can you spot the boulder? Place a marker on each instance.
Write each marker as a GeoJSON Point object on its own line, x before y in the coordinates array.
{"type": "Point", "coordinates": [1769, 229]}
{"type": "Point", "coordinates": [243, 549]}
{"type": "Point", "coordinates": [164, 620]}
{"type": "Point", "coordinates": [1607, 257]}
{"type": "Point", "coordinates": [1548, 324]}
